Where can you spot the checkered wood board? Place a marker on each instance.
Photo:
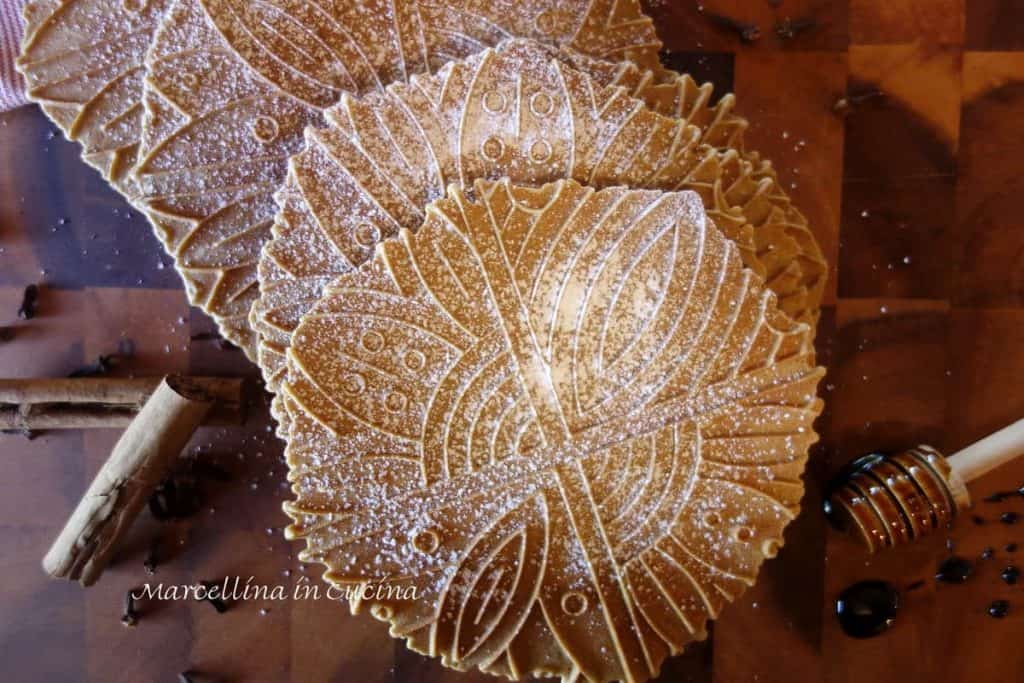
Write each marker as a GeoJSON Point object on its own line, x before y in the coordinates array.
{"type": "Point", "coordinates": [895, 125]}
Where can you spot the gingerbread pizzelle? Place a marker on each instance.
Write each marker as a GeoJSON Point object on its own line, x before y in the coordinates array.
{"type": "Point", "coordinates": [232, 84]}
{"type": "Point", "coordinates": [83, 63]}
{"type": "Point", "coordinates": [569, 418]}
{"type": "Point", "coordinates": [517, 111]}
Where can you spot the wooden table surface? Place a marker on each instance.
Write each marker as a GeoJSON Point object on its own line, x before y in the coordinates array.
{"type": "Point", "coordinates": [915, 193]}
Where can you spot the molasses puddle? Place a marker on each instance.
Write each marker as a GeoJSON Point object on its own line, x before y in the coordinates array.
{"type": "Point", "coordinates": [954, 569]}
{"type": "Point", "coordinates": [1010, 575]}
{"type": "Point", "coordinates": [868, 608]}
{"type": "Point", "coordinates": [999, 609]}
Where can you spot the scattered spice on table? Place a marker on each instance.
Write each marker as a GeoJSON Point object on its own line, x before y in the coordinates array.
{"type": "Point", "coordinates": [29, 303]}
{"type": "Point", "coordinates": [177, 497]}
{"type": "Point", "coordinates": [101, 366]}
{"type": "Point", "coordinates": [848, 103]}
{"type": "Point", "coordinates": [748, 32]}
{"type": "Point", "coordinates": [130, 613]}
{"type": "Point", "coordinates": [149, 563]}
{"type": "Point", "coordinates": [788, 29]}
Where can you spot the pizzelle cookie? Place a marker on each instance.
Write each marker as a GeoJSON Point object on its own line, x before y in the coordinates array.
{"type": "Point", "coordinates": [516, 111]}
{"type": "Point", "coordinates": [231, 84]}
{"type": "Point", "coordinates": [83, 63]}
{"type": "Point", "coordinates": [569, 418]}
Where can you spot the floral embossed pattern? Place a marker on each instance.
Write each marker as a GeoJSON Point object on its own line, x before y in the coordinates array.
{"type": "Point", "coordinates": [519, 112]}
{"type": "Point", "coordinates": [569, 417]}
{"type": "Point", "coordinates": [231, 85]}
{"type": "Point", "coordinates": [83, 63]}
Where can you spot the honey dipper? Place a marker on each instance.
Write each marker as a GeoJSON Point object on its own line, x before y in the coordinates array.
{"type": "Point", "coordinates": [889, 500]}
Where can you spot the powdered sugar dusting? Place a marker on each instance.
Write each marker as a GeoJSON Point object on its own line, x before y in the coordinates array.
{"type": "Point", "coordinates": [454, 425]}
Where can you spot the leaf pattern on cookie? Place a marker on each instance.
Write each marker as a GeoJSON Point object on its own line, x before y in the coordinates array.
{"type": "Point", "coordinates": [83, 63]}
{"type": "Point", "coordinates": [570, 418]}
{"type": "Point", "coordinates": [516, 111]}
{"type": "Point", "coordinates": [231, 85]}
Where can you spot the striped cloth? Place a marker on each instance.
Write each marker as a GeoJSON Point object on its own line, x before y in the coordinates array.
{"type": "Point", "coordinates": [12, 87]}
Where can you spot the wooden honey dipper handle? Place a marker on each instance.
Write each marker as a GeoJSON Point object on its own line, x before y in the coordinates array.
{"type": "Point", "coordinates": [983, 456]}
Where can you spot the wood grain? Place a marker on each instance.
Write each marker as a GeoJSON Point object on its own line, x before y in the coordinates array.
{"type": "Point", "coordinates": [936, 164]}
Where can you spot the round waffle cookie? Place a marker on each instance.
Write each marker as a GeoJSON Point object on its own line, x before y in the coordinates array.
{"type": "Point", "coordinates": [83, 63]}
{"type": "Point", "coordinates": [516, 111]}
{"type": "Point", "coordinates": [231, 84]}
{"type": "Point", "coordinates": [551, 433]}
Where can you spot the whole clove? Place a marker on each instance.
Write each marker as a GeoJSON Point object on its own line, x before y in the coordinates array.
{"type": "Point", "coordinates": [1009, 517]}
{"type": "Point", "coordinates": [130, 613]}
{"type": "Point", "coordinates": [788, 29]}
{"type": "Point", "coordinates": [847, 103]}
{"type": "Point", "coordinates": [748, 32]}
{"type": "Point", "coordinates": [177, 497]}
{"type": "Point", "coordinates": [158, 501]}
{"type": "Point", "coordinates": [29, 303]}
{"type": "Point", "coordinates": [216, 601]}
{"type": "Point", "coordinates": [1010, 547]}
{"type": "Point", "coordinates": [6, 334]}
{"type": "Point", "coordinates": [149, 563]}
{"type": "Point", "coordinates": [180, 495]}
{"type": "Point", "coordinates": [102, 366]}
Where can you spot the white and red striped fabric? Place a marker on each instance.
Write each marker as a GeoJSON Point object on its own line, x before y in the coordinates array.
{"type": "Point", "coordinates": [12, 87]}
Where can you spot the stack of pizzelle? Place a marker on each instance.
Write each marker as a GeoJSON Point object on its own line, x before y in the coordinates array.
{"type": "Point", "coordinates": [539, 327]}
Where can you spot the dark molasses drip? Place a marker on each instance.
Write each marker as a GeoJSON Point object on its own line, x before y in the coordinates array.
{"type": "Point", "coordinates": [861, 464]}
{"type": "Point", "coordinates": [1010, 574]}
{"type": "Point", "coordinates": [999, 609]}
{"type": "Point", "coordinates": [954, 569]}
{"type": "Point", "coordinates": [867, 609]}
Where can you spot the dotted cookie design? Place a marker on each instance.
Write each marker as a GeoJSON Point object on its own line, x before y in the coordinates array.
{"type": "Point", "coordinates": [600, 441]}
{"type": "Point", "coordinates": [517, 111]}
{"type": "Point", "coordinates": [231, 84]}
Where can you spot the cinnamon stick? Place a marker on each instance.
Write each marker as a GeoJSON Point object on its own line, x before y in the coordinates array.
{"type": "Point", "coordinates": [101, 402]}
{"type": "Point", "coordinates": [139, 461]}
